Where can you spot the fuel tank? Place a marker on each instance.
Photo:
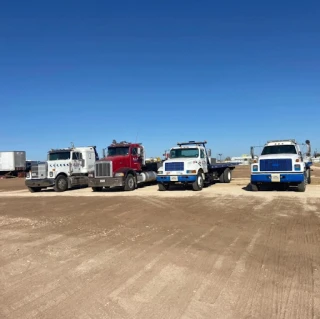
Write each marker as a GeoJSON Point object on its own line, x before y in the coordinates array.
{"type": "Point", "coordinates": [145, 177]}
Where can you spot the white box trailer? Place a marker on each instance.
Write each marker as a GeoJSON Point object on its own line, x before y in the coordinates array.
{"type": "Point", "coordinates": [12, 161]}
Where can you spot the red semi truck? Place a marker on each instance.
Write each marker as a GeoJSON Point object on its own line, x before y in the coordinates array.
{"type": "Point", "coordinates": [123, 166]}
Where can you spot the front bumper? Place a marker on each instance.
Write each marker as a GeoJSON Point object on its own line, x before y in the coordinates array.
{"type": "Point", "coordinates": [284, 178]}
{"type": "Point", "coordinates": [46, 182]}
{"type": "Point", "coordinates": [106, 182]}
{"type": "Point", "coordinates": [176, 178]}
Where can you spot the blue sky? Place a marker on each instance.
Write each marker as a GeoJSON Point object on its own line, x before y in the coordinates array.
{"type": "Point", "coordinates": [234, 73]}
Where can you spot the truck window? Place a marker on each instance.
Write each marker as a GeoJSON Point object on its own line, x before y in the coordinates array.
{"type": "Point", "coordinates": [134, 151]}
{"type": "Point", "coordinates": [58, 156]}
{"type": "Point", "coordinates": [279, 149]}
{"type": "Point", "coordinates": [76, 156]}
{"type": "Point", "coordinates": [116, 151]}
{"type": "Point", "coordinates": [184, 152]}
{"type": "Point", "coordinates": [201, 153]}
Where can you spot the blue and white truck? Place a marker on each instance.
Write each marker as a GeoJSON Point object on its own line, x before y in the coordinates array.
{"type": "Point", "coordinates": [190, 163]}
{"type": "Point", "coordinates": [281, 165]}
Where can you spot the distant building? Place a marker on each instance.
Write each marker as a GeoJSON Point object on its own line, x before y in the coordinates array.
{"type": "Point", "coordinates": [244, 159]}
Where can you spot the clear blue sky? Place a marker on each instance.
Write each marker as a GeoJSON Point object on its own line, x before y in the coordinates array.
{"type": "Point", "coordinates": [235, 73]}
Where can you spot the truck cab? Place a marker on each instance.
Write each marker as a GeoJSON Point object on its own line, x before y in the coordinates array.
{"type": "Point", "coordinates": [187, 163]}
{"type": "Point", "coordinates": [282, 163]}
{"type": "Point", "coordinates": [64, 168]}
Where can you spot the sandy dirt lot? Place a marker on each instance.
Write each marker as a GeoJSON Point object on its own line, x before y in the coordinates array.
{"type": "Point", "coordinates": [12, 184]}
{"type": "Point", "coordinates": [223, 252]}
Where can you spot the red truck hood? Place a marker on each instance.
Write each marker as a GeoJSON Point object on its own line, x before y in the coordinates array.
{"type": "Point", "coordinates": [113, 158]}
{"type": "Point", "coordinates": [118, 162]}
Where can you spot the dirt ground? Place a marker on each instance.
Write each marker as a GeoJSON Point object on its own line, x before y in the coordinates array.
{"type": "Point", "coordinates": [223, 252]}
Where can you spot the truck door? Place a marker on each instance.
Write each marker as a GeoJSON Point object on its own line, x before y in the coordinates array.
{"type": "Point", "coordinates": [76, 163]}
{"type": "Point", "coordinates": [91, 158]}
{"type": "Point", "coordinates": [136, 159]}
{"type": "Point", "coordinates": [203, 161]}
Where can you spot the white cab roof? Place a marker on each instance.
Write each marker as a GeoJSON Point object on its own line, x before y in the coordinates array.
{"type": "Point", "coordinates": [281, 142]}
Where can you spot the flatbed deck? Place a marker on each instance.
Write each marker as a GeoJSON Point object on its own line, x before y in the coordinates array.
{"type": "Point", "coordinates": [222, 165]}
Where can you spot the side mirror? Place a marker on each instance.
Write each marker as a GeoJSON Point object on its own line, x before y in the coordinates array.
{"type": "Point", "coordinates": [139, 151]}
{"type": "Point", "coordinates": [252, 152]}
{"type": "Point", "coordinates": [209, 153]}
{"type": "Point", "coordinates": [308, 153]}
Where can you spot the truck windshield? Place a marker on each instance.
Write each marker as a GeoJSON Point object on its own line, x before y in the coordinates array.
{"type": "Point", "coordinates": [184, 152]}
{"type": "Point", "coordinates": [116, 151]}
{"type": "Point", "coordinates": [58, 156]}
{"type": "Point", "coordinates": [279, 149]}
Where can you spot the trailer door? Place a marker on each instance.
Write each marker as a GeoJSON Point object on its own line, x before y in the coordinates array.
{"type": "Point", "coordinates": [7, 161]}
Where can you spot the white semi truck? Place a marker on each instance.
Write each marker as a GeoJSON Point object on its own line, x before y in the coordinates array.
{"type": "Point", "coordinates": [190, 163]}
{"type": "Point", "coordinates": [281, 165]}
{"type": "Point", "coordinates": [65, 168]}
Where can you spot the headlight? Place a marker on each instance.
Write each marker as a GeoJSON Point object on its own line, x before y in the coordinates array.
{"type": "Point", "coordinates": [51, 174]}
{"type": "Point", "coordinates": [297, 167]}
{"type": "Point", "coordinates": [118, 174]}
{"type": "Point", "coordinates": [28, 175]}
{"type": "Point", "coordinates": [91, 175]}
{"type": "Point", "coordinates": [255, 168]}
{"type": "Point", "coordinates": [160, 172]}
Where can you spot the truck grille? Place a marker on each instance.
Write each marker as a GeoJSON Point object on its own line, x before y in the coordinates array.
{"type": "Point", "coordinates": [174, 166]}
{"type": "Point", "coordinates": [278, 165]}
{"type": "Point", "coordinates": [103, 169]}
{"type": "Point", "coordinates": [39, 171]}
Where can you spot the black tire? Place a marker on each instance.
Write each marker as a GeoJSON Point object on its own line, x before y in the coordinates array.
{"type": "Point", "coordinates": [198, 184]}
{"type": "Point", "coordinates": [130, 183]}
{"type": "Point", "coordinates": [34, 189]}
{"type": "Point", "coordinates": [221, 178]}
{"type": "Point", "coordinates": [163, 187]}
{"type": "Point", "coordinates": [97, 189]}
{"type": "Point", "coordinates": [254, 187]}
{"type": "Point", "coordinates": [227, 175]}
{"type": "Point", "coordinates": [309, 176]}
{"type": "Point", "coordinates": [61, 184]}
{"type": "Point", "coordinates": [302, 186]}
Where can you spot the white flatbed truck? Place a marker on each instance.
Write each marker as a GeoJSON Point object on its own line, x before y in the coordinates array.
{"type": "Point", "coordinates": [190, 163]}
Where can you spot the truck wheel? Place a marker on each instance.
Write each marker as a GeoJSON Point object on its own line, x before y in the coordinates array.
{"type": "Point", "coordinates": [97, 189]}
{"type": "Point", "coordinates": [34, 189]}
{"type": "Point", "coordinates": [198, 184]}
{"type": "Point", "coordinates": [302, 185]}
{"type": "Point", "coordinates": [254, 187]}
{"type": "Point", "coordinates": [309, 175]}
{"type": "Point", "coordinates": [129, 184]}
{"type": "Point", "coordinates": [163, 187]}
{"type": "Point", "coordinates": [61, 184]}
{"type": "Point", "coordinates": [227, 176]}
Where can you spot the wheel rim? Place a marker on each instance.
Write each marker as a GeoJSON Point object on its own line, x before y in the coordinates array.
{"type": "Point", "coordinates": [200, 181]}
{"type": "Point", "coordinates": [131, 183]}
{"type": "Point", "coordinates": [62, 183]}
{"type": "Point", "coordinates": [229, 176]}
